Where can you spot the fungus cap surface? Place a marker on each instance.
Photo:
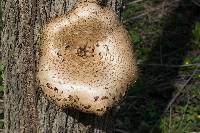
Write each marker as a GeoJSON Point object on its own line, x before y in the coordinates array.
{"type": "Point", "coordinates": [86, 60]}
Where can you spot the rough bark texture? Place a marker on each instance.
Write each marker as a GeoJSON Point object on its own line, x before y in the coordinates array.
{"type": "Point", "coordinates": [26, 110]}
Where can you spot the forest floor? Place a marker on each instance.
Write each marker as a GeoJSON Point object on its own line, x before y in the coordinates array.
{"type": "Point", "coordinates": [165, 35]}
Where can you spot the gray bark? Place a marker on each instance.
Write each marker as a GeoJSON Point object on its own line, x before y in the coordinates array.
{"type": "Point", "coordinates": [26, 110]}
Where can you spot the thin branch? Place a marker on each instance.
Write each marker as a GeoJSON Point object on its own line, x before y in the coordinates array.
{"type": "Point", "coordinates": [121, 131]}
{"type": "Point", "coordinates": [167, 65]}
{"type": "Point", "coordinates": [134, 2]}
{"type": "Point", "coordinates": [184, 112]}
{"type": "Point", "coordinates": [160, 7]}
{"type": "Point", "coordinates": [180, 90]}
{"type": "Point", "coordinates": [196, 3]}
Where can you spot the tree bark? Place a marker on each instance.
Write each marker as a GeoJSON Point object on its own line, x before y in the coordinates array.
{"type": "Point", "coordinates": [26, 110]}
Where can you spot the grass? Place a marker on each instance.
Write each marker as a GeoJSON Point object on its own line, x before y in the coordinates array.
{"type": "Point", "coordinates": [183, 117]}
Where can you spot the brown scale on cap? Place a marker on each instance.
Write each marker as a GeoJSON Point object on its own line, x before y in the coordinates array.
{"type": "Point", "coordinates": [87, 61]}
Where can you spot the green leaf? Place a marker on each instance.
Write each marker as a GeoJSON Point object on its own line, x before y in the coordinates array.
{"type": "Point", "coordinates": [1, 124]}
{"type": "Point", "coordinates": [1, 88]}
{"type": "Point", "coordinates": [196, 32]}
{"type": "Point", "coordinates": [186, 61]}
{"type": "Point", "coordinates": [197, 76]}
{"type": "Point", "coordinates": [135, 37]}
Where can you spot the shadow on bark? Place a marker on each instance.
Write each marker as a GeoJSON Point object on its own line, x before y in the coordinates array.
{"type": "Point", "coordinates": [155, 86]}
{"type": "Point", "coordinates": [92, 122]}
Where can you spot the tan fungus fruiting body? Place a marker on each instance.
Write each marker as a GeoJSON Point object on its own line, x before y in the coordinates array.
{"type": "Point", "coordinates": [86, 61]}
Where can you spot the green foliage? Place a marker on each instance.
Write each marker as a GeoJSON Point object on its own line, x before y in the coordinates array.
{"type": "Point", "coordinates": [186, 61]}
{"type": "Point", "coordinates": [168, 37]}
{"type": "Point", "coordinates": [128, 13]}
{"type": "Point", "coordinates": [183, 119]}
{"type": "Point", "coordinates": [197, 76]}
{"type": "Point", "coordinates": [138, 87]}
{"type": "Point", "coordinates": [135, 37]}
{"type": "Point", "coordinates": [196, 33]}
{"type": "Point", "coordinates": [1, 89]}
{"type": "Point", "coordinates": [1, 124]}
{"type": "Point", "coordinates": [196, 59]}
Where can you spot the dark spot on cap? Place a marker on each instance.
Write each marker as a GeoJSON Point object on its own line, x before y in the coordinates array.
{"type": "Point", "coordinates": [87, 107]}
{"type": "Point", "coordinates": [66, 47]}
{"type": "Point", "coordinates": [104, 97]}
{"type": "Point", "coordinates": [96, 98]}
{"type": "Point", "coordinates": [65, 99]}
{"type": "Point", "coordinates": [55, 89]}
{"type": "Point", "coordinates": [100, 109]}
{"type": "Point", "coordinates": [70, 98]}
{"type": "Point", "coordinates": [58, 54]}
{"type": "Point", "coordinates": [58, 99]}
{"type": "Point", "coordinates": [48, 85]}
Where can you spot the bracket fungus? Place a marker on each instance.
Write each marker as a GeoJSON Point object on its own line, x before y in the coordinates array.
{"type": "Point", "coordinates": [86, 60]}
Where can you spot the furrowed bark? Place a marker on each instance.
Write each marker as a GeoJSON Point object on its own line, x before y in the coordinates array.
{"type": "Point", "coordinates": [26, 110]}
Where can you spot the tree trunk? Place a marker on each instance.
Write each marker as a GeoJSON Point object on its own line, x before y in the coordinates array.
{"type": "Point", "coordinates": [26, 110]}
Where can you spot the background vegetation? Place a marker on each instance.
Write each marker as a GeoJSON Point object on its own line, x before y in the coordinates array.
{"type": "Point", "coordinates": [166, 38]}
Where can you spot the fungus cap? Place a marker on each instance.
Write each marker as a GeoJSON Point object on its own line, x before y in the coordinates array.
{"type": "Point", "coordinates": [86, 60]}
